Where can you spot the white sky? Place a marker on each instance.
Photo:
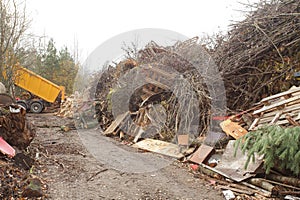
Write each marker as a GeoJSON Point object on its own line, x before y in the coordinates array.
{"type": "Point", "coordinates": [91, 22]}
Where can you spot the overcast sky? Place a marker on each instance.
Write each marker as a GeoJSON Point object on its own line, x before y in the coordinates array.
{"type": "Point", "coordinates": [91, 22]}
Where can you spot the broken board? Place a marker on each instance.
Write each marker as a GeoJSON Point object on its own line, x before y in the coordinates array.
{"type": "Point", "coordinates": [115, 124]}
{"type": "Point", "coordinates": [202, 154]}
{"type": "Point", "coordinates": [233, 129]}
{"type": "Point", "coordinates": [161, 147]}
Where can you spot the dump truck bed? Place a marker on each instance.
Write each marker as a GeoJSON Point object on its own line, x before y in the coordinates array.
{"type": "Point", "coordinates": [36, 84]}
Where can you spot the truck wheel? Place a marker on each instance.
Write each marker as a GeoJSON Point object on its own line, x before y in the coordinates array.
{"type": "Point", "coordinates": [36, 107]}
{"type": "Point", "coordinates": [23, 105]}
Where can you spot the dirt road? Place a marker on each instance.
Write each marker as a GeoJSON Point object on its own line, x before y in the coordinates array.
{"type": "Point", "coordinates": [72, 172]}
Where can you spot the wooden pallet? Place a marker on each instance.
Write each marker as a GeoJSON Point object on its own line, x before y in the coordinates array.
{"type": "Point", "coordinates": [280, 109]}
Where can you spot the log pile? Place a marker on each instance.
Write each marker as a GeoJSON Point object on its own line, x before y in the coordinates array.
{"type": "Point", "coordinates": [260, 54]}
{"type": "Point", "coordinates": [66, 108]}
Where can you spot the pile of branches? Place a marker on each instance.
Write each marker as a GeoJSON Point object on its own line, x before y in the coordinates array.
{"type": "Point", "coordinates": [174, 100]}
{"type": "Point", "coordinates": [260, 54]}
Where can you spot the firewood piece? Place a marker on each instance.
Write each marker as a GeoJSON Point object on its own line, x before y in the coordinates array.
{"type": "Point", "coordinates": [262, 184]}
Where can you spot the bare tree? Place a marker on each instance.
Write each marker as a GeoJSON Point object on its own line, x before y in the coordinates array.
{"type": "Point", "coordinates": [13, 25]}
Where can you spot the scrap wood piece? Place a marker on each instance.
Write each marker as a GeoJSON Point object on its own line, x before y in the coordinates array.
{"type": "Point", "coordinates": [254, 124]}
{"type": "Point", "coordinates": [115, 124]}
{"type": "Point", "coordinates": [183, 139]}
{"type": "Point", "coordinates": [241, 191]}
{"type": "Point", "coordinates": [161, 147]}
{"type": "Point", "coordinates": [287, 109]}
{"type": "Point", "coordinates": [234, 166]}
{"type": "Point", "coordinates": [291, 120]}
{"type": "Point", "coordinates": [202, 153]}
{"type": "Point", "coordinates": [233, 129]}
{"type": "Point", "coordinates": [5, 148]}
{"type": "Point", "coordinates": [284, 179]}
{"type": "Point", "coordinates": [259, 190]}
{"type": "Point", "coordinates": [263, 184]}
{"type": "Point", "coordinates": [276, 117]}
{"type": "Point", "coordinates": [282, 94]}
{"type": "Point", "coordinates": [280, 103]}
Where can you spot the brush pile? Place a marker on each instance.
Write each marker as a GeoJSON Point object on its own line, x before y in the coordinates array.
{"type": "Point", "coordinates": [162, 91]}
{"type": "Point", "coordinates": [260, 54]}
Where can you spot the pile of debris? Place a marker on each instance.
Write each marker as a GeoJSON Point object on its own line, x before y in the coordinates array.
{"type": "Point", "coordinates": [157, 88]}
{"type": "Point", "coordinates": [260, 54]}
{"type": "Point", "coordinates": [14, 128]}
{"type": "Point", "coordinates": [16, 134]}
{"type": "Point", "coordinates": [158, 101]}
{"type": "Point", "coordinates": [66, 108]}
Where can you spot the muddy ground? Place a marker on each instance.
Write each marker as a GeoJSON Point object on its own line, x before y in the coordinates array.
{"type": "Point", "coordinates": [72, 172]}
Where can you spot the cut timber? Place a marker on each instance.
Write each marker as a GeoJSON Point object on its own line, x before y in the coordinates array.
{"type": "Point", "coordinates": [161, 147]}
{"type": "Point", "coordinates": [157, 83]}
{"type": "Point", "coordinates": [236, 190]}
{"type": "Point", "coordinates": [262, 184]}
{"type": "Point", "coordinates": [291, 121]}
{"type": "Point", "coordinates": [183, 140]}
{"type": "Point", "coordinates": [148, 91]}
{"type": "Point", "coordinates": [284, 179]}
{"type": "Point", "coordinates": [202, 154]}
{"type": "Point", "coordinates": [282, 94]}
{"type": "Point", "coordinates": [275, 119]}
{"type": "Point", "coordinates": [168, 75]}
{"type": "Point", "coordinates": [233, 129]}
{"type": "Point", "coordinates": [116, 123]}
{"type": "Point", "coordinates": [254, 124]}
{"type": "Point", "coordinates": [286, 101]}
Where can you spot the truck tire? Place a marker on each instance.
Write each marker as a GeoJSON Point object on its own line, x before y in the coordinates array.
{"type": "Point", "coordinates": [36, 107]}
{"type": "Point", "coordinates": [23, 105]}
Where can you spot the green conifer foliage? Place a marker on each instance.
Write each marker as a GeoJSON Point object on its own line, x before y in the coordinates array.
{"type": "Point", "coordinates": [279, 146]}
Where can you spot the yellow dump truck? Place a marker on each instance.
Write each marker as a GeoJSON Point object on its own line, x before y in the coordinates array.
{"type": "Point", "coordinates": [37, 86]}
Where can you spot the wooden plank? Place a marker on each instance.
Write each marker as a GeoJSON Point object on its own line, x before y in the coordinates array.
{"type": "Point", "coordinates": [233, 129]}
{"type": "Point", "coordinates": [283, 116]}
{"type": "Point", "coordinates": [236, 190]}
{"type": "Point", "coordinates": [291, 121]}
{"type": "Point", "coordinates": [162, 72]}
{"type": "Point", "coordinates": [148, 91]}
{"type": "Point", "coordinates": [201, 154]}
{"type": "Point", "coordinates": [254, 124]}
{"type": "Point", "coordinates": [161, 147]}
{"type": "Point", "coordinates": [183, 140]}
{"type": "Point", "coordinates": [157, 83]}
{"type": "Point", "coordinates": [280, 122]}
{"type": "Point", "coordinates": [287, 109]}
{"type": "Point", "coordinates": [138, 135]}
{"type": "Point", "coordinates": [289, 92]}
{"type": "Point", "coordinates": [119, 119]}
{"type": "Point", "coordinates": [276, 117]}
{"type": "Point", "coordinates": [265, 108]}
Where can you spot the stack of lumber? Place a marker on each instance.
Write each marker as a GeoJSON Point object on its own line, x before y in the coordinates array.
{"type": "Point", "coordinates": [281, 109]}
